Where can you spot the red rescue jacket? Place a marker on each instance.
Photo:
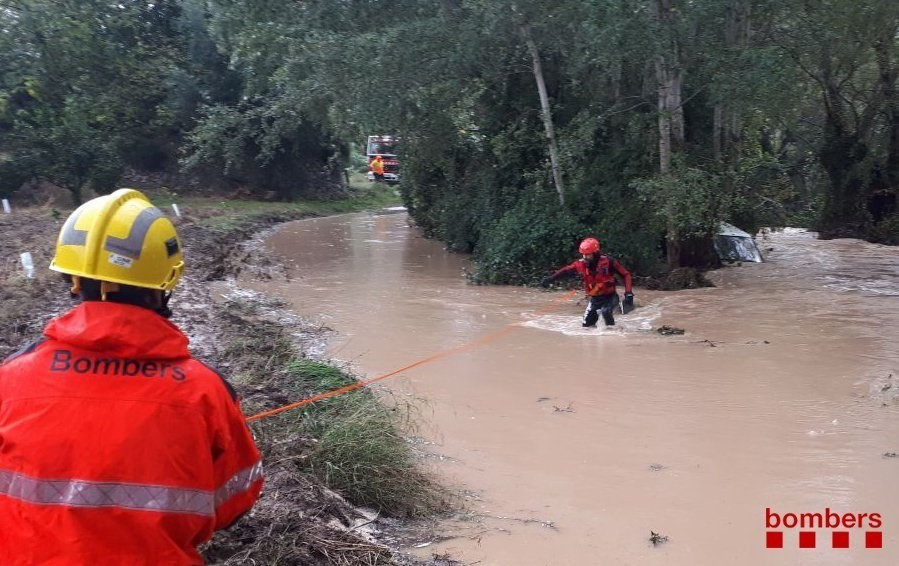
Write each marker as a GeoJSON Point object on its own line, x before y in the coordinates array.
{"type": "Point", "coordinates": [600, 281]}
{"type": "Point", "coordinates": [117, 447]}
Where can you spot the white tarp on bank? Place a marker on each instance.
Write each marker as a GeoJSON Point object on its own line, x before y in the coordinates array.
{"type": "Point", "coordinates": [733, 244]}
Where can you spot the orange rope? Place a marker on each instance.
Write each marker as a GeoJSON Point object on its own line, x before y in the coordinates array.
{"type": "Point", "coordinates": [346, 388]}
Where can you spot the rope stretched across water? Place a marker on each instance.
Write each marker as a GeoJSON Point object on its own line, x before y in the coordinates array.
{"type": "Point", "coordinates": [460, 348]}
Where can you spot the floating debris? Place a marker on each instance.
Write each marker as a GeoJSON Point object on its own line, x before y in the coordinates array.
{"type": "Point", "coordinates": [656, 468]}
{"type": "Point", "coordinates": [541, 522]}
{"type": "Point", "coordinates": [656, 538]}
{"type": "Point", "coordinates": [890, 455]}
{"type": "Point", "coordinates": [669, 330]}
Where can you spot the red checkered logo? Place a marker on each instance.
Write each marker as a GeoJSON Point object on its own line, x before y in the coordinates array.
{"type": "Point", "coordinates": [845, 529]}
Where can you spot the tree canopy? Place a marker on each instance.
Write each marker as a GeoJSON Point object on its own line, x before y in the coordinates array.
{"type": "Point", "coordinates": [524, 125]}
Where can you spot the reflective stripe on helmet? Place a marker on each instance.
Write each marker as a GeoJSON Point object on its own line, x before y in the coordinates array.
{"type": "Point", "coordinates": [128, 247]}
{"type": "Point", "coordinates": [69, 236]}
{"type": "Point", "coordinates": [131, 246]}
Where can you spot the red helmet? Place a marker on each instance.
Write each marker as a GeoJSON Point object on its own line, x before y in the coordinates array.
{"type": "Point", "coordinates": [589, 246]}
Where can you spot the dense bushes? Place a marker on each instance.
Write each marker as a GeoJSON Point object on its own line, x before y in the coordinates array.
{"type": "Point", "coordinates": [886, 231]}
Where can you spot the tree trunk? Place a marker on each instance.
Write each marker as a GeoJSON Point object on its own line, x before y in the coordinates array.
{"type": "Point", "coordinates": [841, 155]}
{"type": "Point", "coordinates": [76, 189]}
{"type": "Point", "coordinates": [669, 81]}
{"type": "Point", "coordinates": [545, 112]}
{"type": "Point", "coordinates": [671, 111]}
{"type": "Point", "coordinates": [888, 75]}
{"type": "Point", "coordinates": [664, 137]}
{"type": "Point", "coordinates": [718, 132]}
{"type": "Point", "coordinates": [727, 123]}
{"type": "Point", "coordinates": [736, 37]}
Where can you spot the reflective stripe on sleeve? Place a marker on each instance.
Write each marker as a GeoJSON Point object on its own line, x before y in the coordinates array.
{"type": "Point", "coordinates": [238, 483]}
{"type": "Point", "coordinates": [81, 493]}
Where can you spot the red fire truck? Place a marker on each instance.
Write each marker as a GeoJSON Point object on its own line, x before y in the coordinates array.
{"type": "Point", "coordinates": [385, 146]}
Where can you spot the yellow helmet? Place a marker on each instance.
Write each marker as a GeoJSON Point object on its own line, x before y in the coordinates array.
{"type": "Point", "coordinates": [120, 238]}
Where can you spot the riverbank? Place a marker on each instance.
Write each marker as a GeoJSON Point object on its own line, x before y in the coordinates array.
{"type": "Point", "coordinates": [271, 359]}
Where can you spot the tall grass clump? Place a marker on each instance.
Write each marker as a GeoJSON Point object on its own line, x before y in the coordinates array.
{"type": "Point", "coordinates": [354, 443]}
{"type": "Point", "coordinates": [360, 449]}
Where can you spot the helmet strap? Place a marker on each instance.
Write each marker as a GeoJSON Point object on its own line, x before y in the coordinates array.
{"type": "Point", "coordinates": [163, 309]}
{"type": "Point", "coordinates": [107, 287]}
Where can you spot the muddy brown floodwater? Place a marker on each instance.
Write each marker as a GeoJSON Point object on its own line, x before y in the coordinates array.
{"type": "Point", "coordinates": [575, 444]}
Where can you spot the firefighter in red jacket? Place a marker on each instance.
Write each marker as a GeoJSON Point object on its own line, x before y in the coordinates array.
{"type": "Point", "coordinates": [598, 272]}
{"type": "Point", "coordinates": [116, 446]}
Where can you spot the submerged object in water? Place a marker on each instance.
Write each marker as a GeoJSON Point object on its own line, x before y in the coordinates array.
{"type": "Point", "coordinates": [733, 244]}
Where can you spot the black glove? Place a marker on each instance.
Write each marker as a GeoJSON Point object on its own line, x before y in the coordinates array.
{"type": "Point", "coordinates": [628, 299]}
{"type": "Point", "coordinates": [546, 281]}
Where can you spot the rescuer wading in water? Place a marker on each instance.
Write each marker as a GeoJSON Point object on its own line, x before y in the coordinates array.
{"type": "Point", "coordinates": [598, 272]}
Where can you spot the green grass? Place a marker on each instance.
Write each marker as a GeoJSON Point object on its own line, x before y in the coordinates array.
{"type": "Point", "coordinates": [361, 452]}
{"type": "Point", "coordinates": [353, 442]}
{"type": "Point", "coordinates": [224, 214]}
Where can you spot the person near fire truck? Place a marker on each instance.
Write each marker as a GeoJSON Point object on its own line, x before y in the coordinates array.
{"type": "Point", "coordinates": [377, 168]}
{"type": "Point", "coordinates": [598, 271]}
{"type": "Point", "coordinates": [116, 445]}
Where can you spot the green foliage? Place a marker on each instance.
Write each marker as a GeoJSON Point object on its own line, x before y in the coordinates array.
{"type": "Point", "coordinates": [65, 150]}
{"type": "Point", "coordinates": [526, 241]}
{"type": "Point", "coordinates": [14, 173]}
{"type": "Point", "coordinates": [77, 94]}
{"type": "Point", "coordinates": [360, 452]}
{"type": "Point", "coordinates": [886, 231]}
{"type": "Point", "coordinates": [788, 108]}
{"type": "Point", "coordinates": [233, 214]}
{"type": "Point", "coordinates": [849, 57]}
{"type": "Point", "coordinates": [763, 195]}
{"type": "Point", "coordinates": [255, 150]}
{"type": "Point", "coordinates": [358, 160]}
{"type": "Point", "coordinates": [688, 199]}
{"type": "Point", "coordinates": [221, 135]}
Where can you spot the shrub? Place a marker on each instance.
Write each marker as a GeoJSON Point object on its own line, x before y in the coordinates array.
{"type": "Point", "coordinates": [526, 241]}
{"type": "Point", "coordinates": [886, 231]}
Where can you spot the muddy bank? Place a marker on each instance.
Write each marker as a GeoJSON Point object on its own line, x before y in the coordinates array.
{"type": "Point", "coordinates": [298, 520]}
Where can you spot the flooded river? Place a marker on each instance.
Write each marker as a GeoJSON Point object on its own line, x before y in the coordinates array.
{"type": "Point", "coordinates": [575, 444]}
